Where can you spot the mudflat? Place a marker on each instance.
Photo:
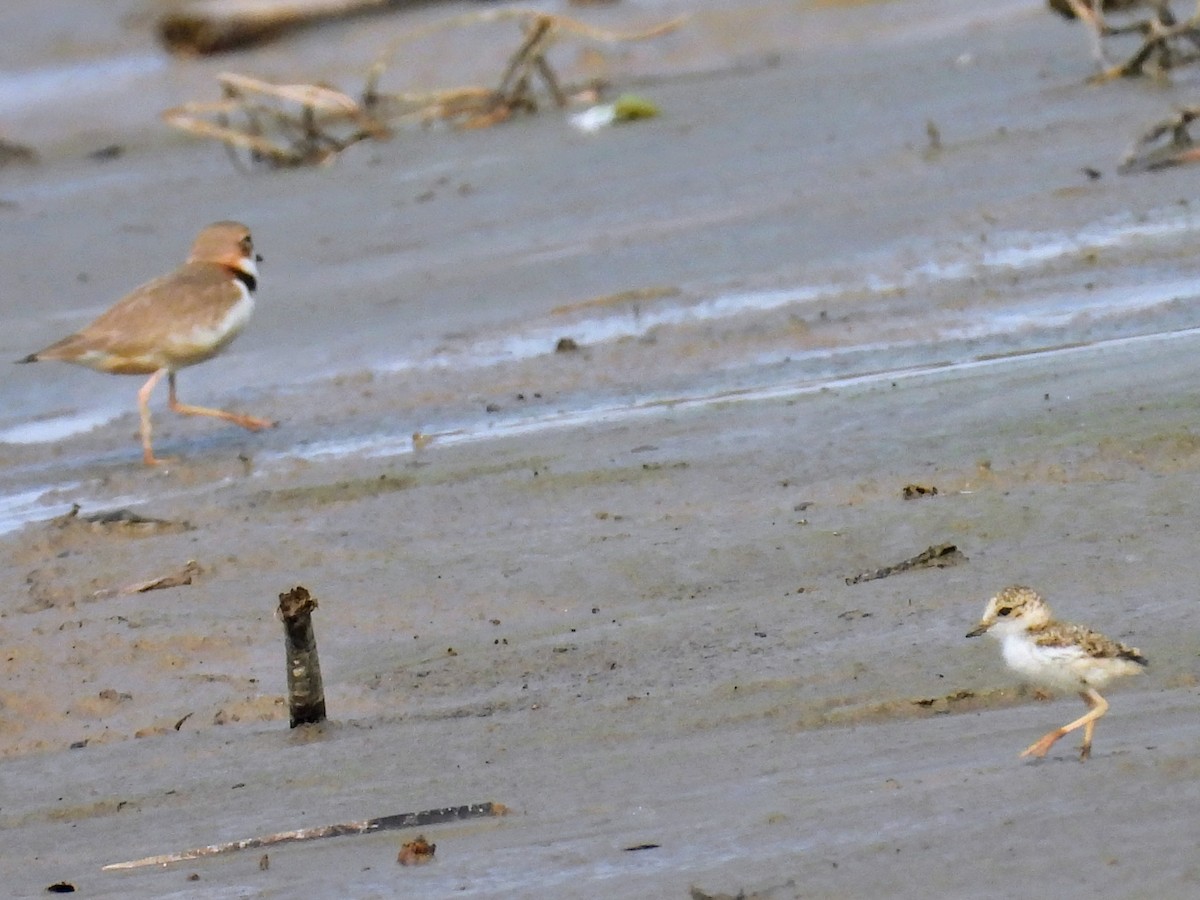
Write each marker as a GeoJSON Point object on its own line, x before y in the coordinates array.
{"type": "Point", "coordinates": [614, 587]}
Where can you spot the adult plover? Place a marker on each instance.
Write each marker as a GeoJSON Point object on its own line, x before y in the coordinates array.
{"type": "Point", "coordinates": [174, 321]}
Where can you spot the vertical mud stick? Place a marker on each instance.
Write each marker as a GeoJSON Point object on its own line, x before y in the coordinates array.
{"type": "Point", "coordinates": [306, 694]}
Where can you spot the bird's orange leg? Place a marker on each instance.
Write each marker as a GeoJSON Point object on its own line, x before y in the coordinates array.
{"type": "Point", "coordinates": [251, 423]}
{"type": "Point", "coordinates": [144, 413]}
{"type": "Point", "coordinates": [1098, 706]}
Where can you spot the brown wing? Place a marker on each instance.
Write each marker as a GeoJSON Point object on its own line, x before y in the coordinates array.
{"type": "Point", "coordinates": [165, 323]}
{"type": "Point", "coordinates": [1060, 634]}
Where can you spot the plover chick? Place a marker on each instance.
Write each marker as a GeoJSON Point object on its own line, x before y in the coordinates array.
{"type": "Point", "coordinates": [1057, 655]}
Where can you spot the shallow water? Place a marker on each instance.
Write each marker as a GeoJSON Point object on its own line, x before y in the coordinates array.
{"type": "Point", "coordinates": [1040, 317]}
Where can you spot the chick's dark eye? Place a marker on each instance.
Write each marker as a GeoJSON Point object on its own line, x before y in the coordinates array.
{"type": "Point", "coordinates": [1004, 610]}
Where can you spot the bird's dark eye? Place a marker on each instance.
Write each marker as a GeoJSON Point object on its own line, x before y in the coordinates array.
{"type": "Point", "coordinates": [1004, 610]}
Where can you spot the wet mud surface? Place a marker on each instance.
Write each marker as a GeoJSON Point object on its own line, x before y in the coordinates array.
{"type": "Point", "coordinates": [608, 587]}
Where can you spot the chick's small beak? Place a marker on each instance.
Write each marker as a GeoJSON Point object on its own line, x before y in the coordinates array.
{"type": "Point", "coordinates": [977, 631]}
{"type": "Point", "coordinates": [258, 257]}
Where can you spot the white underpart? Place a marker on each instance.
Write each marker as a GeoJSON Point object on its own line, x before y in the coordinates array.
{"type": "Point", "coordinates": [1063, 668]}
{"type": "Point", "coordinates": [229, 327]}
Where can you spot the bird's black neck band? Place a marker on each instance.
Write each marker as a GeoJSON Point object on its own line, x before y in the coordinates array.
{"type": "Point", "coordinates": [247, 279]}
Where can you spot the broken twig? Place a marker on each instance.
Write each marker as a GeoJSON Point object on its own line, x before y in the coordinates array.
{"type": "Point", "coordinates": [215, 26]}
{"type": "Point", "coordinates": [939, 556]}
{"type": "Point", "coordinates": [1165, 144]}
{"type": "Point", "coordinates": [310, 124]}
{"type": "Point", "coordinates": [123, 521]}
{"type": "Point", "coordinates": [306, 693]}
{"type": "Point", "coordinates": [386, 823]}
{"type": "Point", "coordinates": [1167, 41]}
{"type": "Point", "coordinates": [175, 579]}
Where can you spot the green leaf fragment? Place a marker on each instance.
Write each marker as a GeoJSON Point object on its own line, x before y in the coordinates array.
{"type": "Point", "coordinates": [629, 107]}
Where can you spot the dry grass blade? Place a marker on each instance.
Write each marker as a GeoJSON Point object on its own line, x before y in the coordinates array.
{"type": "Point", "coordinates": [188, 118]}
{"type": "Point", "coordinates": [313, 123]}
{"type": "Point", "coordinates": [310, 98]}
{"type": "Point", "coordinates": [316, 96]}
